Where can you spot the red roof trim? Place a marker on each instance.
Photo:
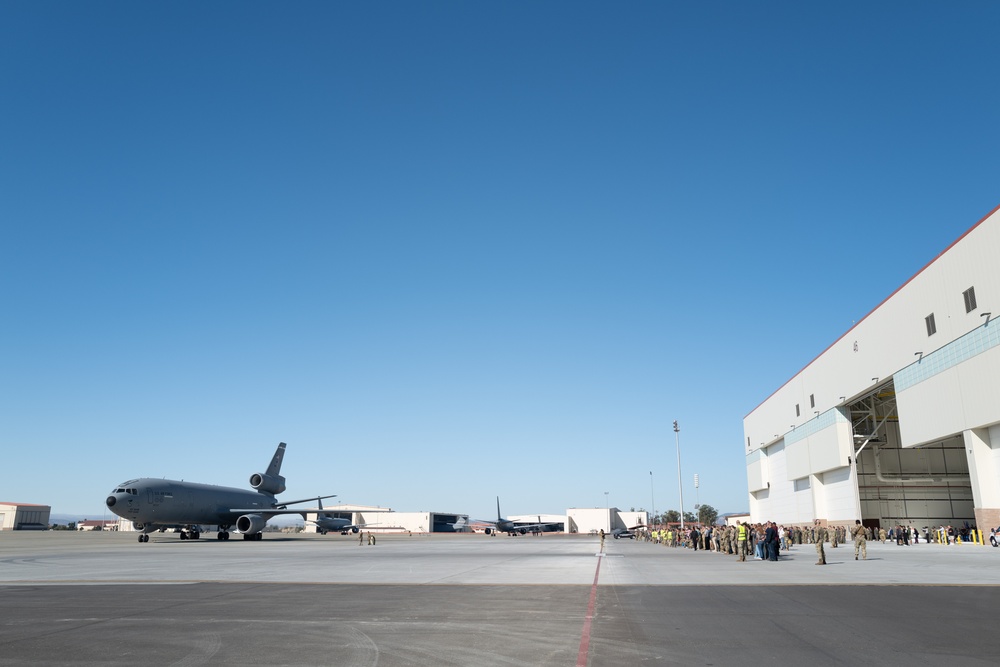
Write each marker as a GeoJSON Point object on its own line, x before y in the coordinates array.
{"type": "Point", "coordinates": [936, 258]}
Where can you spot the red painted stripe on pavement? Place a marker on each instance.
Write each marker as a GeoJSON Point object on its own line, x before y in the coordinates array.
{"type": "Point", "coordinates": [581, 656]}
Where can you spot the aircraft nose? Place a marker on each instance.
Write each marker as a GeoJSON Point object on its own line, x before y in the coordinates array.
{"type": "Point", "coordinates": [110, 502]}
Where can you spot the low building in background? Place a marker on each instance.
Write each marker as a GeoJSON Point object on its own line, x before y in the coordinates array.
{"type": "Point", "coordinates": [97, 525]}
{"type": "Point", "coordinates": [24, 516]}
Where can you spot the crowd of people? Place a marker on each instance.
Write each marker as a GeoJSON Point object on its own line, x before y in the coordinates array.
{"type": "Point", "coordinates": [765, 541]}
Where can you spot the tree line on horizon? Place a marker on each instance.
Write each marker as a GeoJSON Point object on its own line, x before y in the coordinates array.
{"type": "Point", "coordinates": [707, 516]}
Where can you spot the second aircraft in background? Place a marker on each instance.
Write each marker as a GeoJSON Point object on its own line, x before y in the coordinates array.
{"type": "Point", "coordinates": [512, 528]}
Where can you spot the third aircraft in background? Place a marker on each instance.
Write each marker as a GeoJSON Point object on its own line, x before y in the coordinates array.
{"type": "Point", "coordinates": [326, 522]}
{"type": "Point", "coordinates": [509, 527]}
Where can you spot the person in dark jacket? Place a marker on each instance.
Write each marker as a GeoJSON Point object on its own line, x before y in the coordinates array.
{"type": "Point", "coordinates": [771, 542]}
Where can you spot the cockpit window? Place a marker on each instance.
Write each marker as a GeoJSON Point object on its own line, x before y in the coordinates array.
{"type": "Point", "coordinates": [119, 491]}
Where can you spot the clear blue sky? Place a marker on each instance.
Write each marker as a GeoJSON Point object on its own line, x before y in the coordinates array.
{"type": "Point", "coordinates": [454, 250]}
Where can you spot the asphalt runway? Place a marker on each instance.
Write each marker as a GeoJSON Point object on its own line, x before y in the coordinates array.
{"type": "Point", "coordinates": [103, 599]}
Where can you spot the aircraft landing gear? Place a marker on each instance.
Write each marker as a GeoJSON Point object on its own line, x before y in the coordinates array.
{"type": "Point", "coordinates": [223, 535]}
{"type": "Point", "coordinates": [143, 538]}
{"type": "Point", "coordinates": [253, 536]}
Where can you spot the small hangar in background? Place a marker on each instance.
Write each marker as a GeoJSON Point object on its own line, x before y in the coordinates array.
{"type": "Point", "coordinates": [24, 516]}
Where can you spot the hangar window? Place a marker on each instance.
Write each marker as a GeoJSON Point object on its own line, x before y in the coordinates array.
{"type": "Point", "coordinates": [931, 327]}
{"type": "Point", "coordinates": [970, 299]}
{"type": "Point", "coordinates": [812, 400]}
{"type": "Point", "coordinates": [797, 410]}
{"type": "Point", "coordinates": [801, 484]}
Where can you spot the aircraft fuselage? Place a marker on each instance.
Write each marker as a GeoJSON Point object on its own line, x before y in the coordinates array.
{"type": "Point", "coordinates": [167, 501]}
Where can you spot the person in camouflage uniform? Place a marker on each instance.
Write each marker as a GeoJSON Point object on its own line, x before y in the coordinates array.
{"type": "Point", "coordinates": [820, 538]}
{"type": "Point", "coordinates": [860, 540]}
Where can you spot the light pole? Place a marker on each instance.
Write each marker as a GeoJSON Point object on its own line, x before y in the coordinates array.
{"type": "Point", "coordinates": [697, 499]}
{"type": "Point", "coordinates": [680, 485]}
{"type": "Point", "coordinates": [652, 498]}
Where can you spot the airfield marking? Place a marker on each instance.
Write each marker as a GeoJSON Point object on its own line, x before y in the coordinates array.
{"type": "Point", "coordinates": [581, 656]}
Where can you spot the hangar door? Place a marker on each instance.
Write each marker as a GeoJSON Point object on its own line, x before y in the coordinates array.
{"type": "Point", "coordinates": [915, 486]}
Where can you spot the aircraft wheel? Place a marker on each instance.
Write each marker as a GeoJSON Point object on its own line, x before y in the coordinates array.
{"type": "Point", "coordinates": [246, 537]}
{"type": "Point", "coordinates": [195, 535]}
{"type": "Point", "coordinates": [259, 536]}
{"type": "Point", "coordinates": [184, 535]}
{"type": "Point", "coordinates": [140, 538]}
{"type": "Point", "coordinates": [225, 536]}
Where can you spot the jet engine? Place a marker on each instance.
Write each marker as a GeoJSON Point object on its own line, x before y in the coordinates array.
{"type": "Point", "coordinates": [273, 484]}
{"type": "Point", "coordinates": [249, 524]}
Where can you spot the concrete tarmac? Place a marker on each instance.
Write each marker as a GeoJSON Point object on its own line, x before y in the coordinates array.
{"type": "Point", "coordinates": [104, 599]}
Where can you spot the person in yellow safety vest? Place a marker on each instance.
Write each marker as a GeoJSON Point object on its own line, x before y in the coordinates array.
{"type": "Point", "coordinates": [741, 542]}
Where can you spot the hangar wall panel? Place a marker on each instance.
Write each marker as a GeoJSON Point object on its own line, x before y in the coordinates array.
{"type": "Point", "coordinates": [983, 446]}
{"type": "Point", "coordinates": [823, 443]}
{"type": "Point", "coordinates": [797, 459]}
{"type": "Point", "coordinates": [951, 390]}
{"type": "Point", "coordinates": [804, 504]}
{"type": "Point", "coordinates": [829, 449]}
{"type": "Point", "coordinates": [756, 470]}
{"type": "Point", "coordinates": [840, 501]}
{"type": "Point", "coordinates": [994, 443]}
{"type": "Point", "coordinates": [785, 501]}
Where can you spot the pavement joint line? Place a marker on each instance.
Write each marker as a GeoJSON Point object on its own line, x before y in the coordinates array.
{"type": "Point", "coordinates": [583, 653]}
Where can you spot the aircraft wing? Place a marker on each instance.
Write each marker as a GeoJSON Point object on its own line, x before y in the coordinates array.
{"type": "Point", "coordinates": [266, 511]}
{"type": "Point", "coordinates": [285, 503]}
{"type": "Point", "coordinates": [529, 526]}
{"type": "Point", "coordinates": [353, 526]}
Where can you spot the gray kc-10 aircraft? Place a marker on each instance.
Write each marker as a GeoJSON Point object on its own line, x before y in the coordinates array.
{"type": "Point", "coordinates": [153, 504]}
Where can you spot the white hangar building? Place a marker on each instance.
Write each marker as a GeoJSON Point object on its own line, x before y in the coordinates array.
{"type": "Point", "coordinates": [898, 421]}
{"type": "Point", "coordinates": [24, 516]}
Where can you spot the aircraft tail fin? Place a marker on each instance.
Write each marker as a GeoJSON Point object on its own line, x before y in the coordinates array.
{"type": "Point", "coordinates": [274, 468]}
{"type": "Point", "coordinates": [498, 508]}
{"type": "Point", "coordinates": [320, 501]}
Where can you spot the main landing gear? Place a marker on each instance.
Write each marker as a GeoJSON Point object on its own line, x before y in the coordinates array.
{"type": "Point", "coordinates": [143, 538]}
{"type": "Point", "coordinates": [253, 536]}
{"type": "Point", "coordinates": [223, 535]}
